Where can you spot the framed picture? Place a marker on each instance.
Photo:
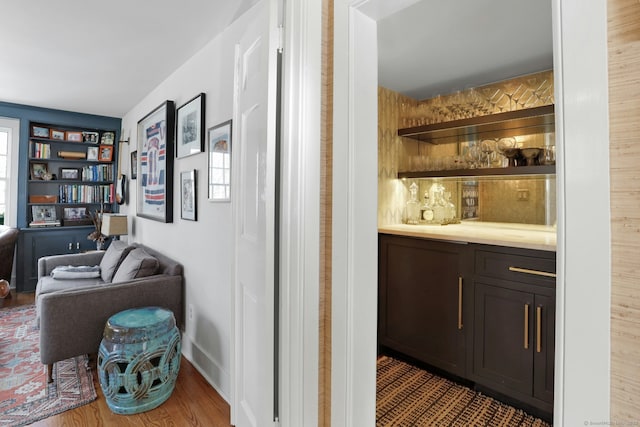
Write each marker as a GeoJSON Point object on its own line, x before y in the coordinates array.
{"type": "Point", "coordinates": [69, 173]}
{"type": "Point", "coordinates": [105, 153]}
{"type": "Point", "coordinates": [190, 136]}
{"type": "Point", "coordinates": [219, 149]}
{"type": "Point", "coordinates": [39, 170]}
{"type": "Point", "coordinates": [189, 203]}
{"type": "Point", "coordinates": [155, 148]}
{"type": "Point", "coordinates": [75, 213]}
{"type": "Point", "coordinates": [39, 131]}
{"type": "Point", "coordinates": [73, 136]}
{"type": "Point", "coordinates": [92, 153]}
{"type": "Point", "coordinates": [57, 134]}
{"type": "Point", "coordinates": [43, 213]}
{"type": "Point", "coordinates": [108, 138]}
{"type": "Point", "coordinates": [134, 165]}
{"type": "Point", "coordinates": [90, 137]}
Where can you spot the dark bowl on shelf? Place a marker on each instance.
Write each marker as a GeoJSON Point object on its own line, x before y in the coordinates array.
{"type": "Point", "coordinates": [531, 155]}
{"type": "Point", "coordinates": [513, 154]}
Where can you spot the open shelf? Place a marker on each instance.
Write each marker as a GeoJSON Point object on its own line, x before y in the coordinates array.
{"type": "Point", "coordinates": [482, 172]}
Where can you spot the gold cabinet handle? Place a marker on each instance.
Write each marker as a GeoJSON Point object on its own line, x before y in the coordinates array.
{"type": "Point", "coordinates": [539, 329]}
{"type": "Point", "coordinates": [526, 326]}
{"type": "Point", "coordinates": [459, 302]}
{"type": "Point", "coordinates": [534, 272]}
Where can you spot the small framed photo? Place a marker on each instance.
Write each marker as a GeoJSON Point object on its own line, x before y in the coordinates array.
{"type": "Point", "coordinates": [39, 170]}
{"type": "Point", "coordinates": [43, 213]}
{"type": "Point", "coordinates": [134, 165]}
{"type": "Point", "coordinates": [90, 137]}
{"type": "Point", "coordinates": [57, 134]}
{"type": "Point", "coordinates": [105, 153]}
{"type": "Point", "coordinates": [92, 153]}
{"type": "Point", "coordinates": [189, 132]}
{"type": "Point", "coordinates": [108, 138]}
{"type": "Point", "coordinates": [40, 131]}
{"type": "Point", "coordinates": [70, 173]}
{"type": "Point", "coordinates": [188, 193]}
{"type": "Point", "coordinates": [73, 136]}
{"type": "Point", "coordinates": [75, 213]}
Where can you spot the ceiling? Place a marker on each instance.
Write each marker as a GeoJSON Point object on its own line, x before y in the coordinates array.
{"type": "Point", "coordinates": [104, 57]}
{"type": "Point", "coordinates": [437, 47]}
{"type": "Point", "coordinates": [101, 57]}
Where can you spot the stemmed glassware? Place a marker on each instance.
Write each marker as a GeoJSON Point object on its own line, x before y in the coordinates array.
{"type": "Point", "coordinates": [505, 147]}
{"type": "Point", "coordinates": [488, 146]}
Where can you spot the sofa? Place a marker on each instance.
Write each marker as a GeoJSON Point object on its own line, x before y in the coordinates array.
{"type": "Point", "coordinates": [77, 293]}
{"type": "Point", "coordinates": [8, 238]}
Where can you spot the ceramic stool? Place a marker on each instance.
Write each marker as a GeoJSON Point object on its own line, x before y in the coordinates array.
{"type": "Point", "coordinates": [139, 359]}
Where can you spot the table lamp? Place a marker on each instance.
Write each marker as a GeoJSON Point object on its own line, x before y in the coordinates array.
{"type": "Point", "coordinates": [114, 225]}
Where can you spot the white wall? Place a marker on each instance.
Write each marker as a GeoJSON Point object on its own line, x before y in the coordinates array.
{"type": "Point", "coordinates": [203, 247]}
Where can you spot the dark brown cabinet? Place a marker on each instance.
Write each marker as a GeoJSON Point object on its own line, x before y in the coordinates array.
{"type": "Point", "coordinates": [514, 323]}
{"type": "Point", "coordinates": [483, 313]}
{"type": "Point", "coordinates": [421, 300]}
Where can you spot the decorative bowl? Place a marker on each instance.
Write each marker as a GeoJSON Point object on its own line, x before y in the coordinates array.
{"type": "Point", "coordinates": [531, 155]}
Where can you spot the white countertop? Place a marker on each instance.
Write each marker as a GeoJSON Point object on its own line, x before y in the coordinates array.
{"type": "Point", "coordinates": [526, 236]}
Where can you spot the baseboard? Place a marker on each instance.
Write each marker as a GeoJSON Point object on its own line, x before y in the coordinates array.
{"type": "Point", "coordinates": [207, 367]}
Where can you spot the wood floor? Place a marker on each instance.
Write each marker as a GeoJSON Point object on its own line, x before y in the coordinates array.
{"type": "Point", "coordinates": [193, 402]}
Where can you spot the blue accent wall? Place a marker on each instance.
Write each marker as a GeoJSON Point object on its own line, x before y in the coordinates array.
{"type": "Point", "coordinates": [26, 114]}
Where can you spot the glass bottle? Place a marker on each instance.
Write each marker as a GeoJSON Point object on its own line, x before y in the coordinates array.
{"type": "Point", "coordinates": [426, 210]}
{"type": "Point", "coordinates": [413, 205]}
{"type": "Point", "coordinates": [450, 208]}
{"type": "Point", "coordinates": [437, 202]}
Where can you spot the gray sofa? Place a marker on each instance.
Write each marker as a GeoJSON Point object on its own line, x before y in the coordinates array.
{"type": "Point", "coordinates": [72, 312]}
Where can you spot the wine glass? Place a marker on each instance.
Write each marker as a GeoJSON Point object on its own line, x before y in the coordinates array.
{"type": "Point", "coordinates": [504, 145]}
{"type": "Point", "coordinates": [488, 146]}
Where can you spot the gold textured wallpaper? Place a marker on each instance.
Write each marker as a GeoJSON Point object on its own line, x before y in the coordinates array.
{"type": "Point", "coordinates": [528, 201]}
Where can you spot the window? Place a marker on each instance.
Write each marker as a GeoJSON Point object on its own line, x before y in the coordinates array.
{"type": "Point", "coordinates": [8, 166]}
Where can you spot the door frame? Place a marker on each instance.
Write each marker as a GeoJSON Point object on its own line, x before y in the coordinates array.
{"type": "Point", "coordinates": [583, 294]}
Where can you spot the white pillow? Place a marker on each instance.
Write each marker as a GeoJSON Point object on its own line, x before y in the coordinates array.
{"type": "Point", "coordinates": [75, 272]}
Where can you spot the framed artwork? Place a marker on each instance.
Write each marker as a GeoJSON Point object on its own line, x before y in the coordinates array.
{"type": "Point", "coordinates": [75, 213]}
{"type": "Point", "coordinates": [105, 154]}
{"type": "Point", "coordinates": [73, 136]}
{"type": "Point", "coordinates": [41, 213]}
{"type": "Point", "coordinates": [190, 120]}
{"type": "Point", "coordinates": [69, 173]}
{"type": "Point", "coordinates": [57, 134]}
{"type": "Point", "coordinates": [39, 131]}
{"type": "Point", "coordinates": [39, 170]}
{"type": "Point", "coordinates": [108, 138]}
{"type": "Point", "coordinates": [188, 192]}
{"type": "Point", "coordinates": [134, 165]}
{"type": "Point", "coordinates": [219, 173]}
{"type": "Point", "coordinates": [90, 137]}
{"type": "Point", "coordinates": [92, 153]}
{"type": "Point", "coordinates": [155, 148]}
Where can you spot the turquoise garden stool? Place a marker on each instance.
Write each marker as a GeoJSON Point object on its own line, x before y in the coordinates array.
{"type": "Point", "coordinates": [139, 359]}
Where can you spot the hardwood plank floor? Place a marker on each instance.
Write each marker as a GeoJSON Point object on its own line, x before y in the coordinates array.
{"type": "Point", "coordinates": [193, 402]}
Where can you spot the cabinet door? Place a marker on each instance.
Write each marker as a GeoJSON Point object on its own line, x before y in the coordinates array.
{"type": "Point", "coordinates": [503, 337]}
{"type": "Point", "coordinates": [33, 245]}
{"type": "Point", "coordinates": [544, 351]}
{"type": "Point", "coordinates": [420, 300]}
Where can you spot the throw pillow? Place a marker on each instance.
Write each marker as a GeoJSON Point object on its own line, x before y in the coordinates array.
{"type": "Point", "coordinates": [137, 263]}
{"type": "Point", "coordinates": [75, 272]}
{"type": "Point", "coordinates": [115, 254]}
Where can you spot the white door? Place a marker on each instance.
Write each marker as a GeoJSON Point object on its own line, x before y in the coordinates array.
{"type": "Point", "coordinates": [253, 163]}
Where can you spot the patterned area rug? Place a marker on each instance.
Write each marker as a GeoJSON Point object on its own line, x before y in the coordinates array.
{"type": "Point", "coordinates": [409, 396]}
{"type": "Point", "coordinates": [25, 396]}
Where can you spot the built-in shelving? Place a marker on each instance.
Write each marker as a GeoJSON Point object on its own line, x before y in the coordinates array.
{"type": "Point", "coordinates": [482, 172]}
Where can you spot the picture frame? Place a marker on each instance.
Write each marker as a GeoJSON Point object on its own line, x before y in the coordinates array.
{"type": "Point", "coordinates": [188, 195]}
{"type": "Point", "coordinates": [155, 141]}
{"type": "Point", "coordinates": [73, 136]}
{"type": "Point", "coordinates": [39, 131]}
{"type": "Point", "coordinates": [189, 127]}
{"type": "Point", "coordinates": [57, 134]}
{"type": "Point", "coordinates": [105, 153]}
{"type": "Point", "coordinates": [38, 170]}
{"type": "Point", "coordinates": [74, 174]}
{"type": "Point", "coordinates": [43, 213]}
{"type": "Point", "coordinates": [134, 165]}
{"type": "Point", "coordinates": [92, 153]}
{"type": "Point", "coordinates": [108, 138]}
{"type": "Point", "coordinates": [75, 213]}
{"type": "Point", "coordinates": [219, 162]}
{"type": "Point", "coordinates": [90, 137]}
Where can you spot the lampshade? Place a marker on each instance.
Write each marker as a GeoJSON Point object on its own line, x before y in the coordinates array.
{"type": "Point", "coordinates": [114, 225]}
